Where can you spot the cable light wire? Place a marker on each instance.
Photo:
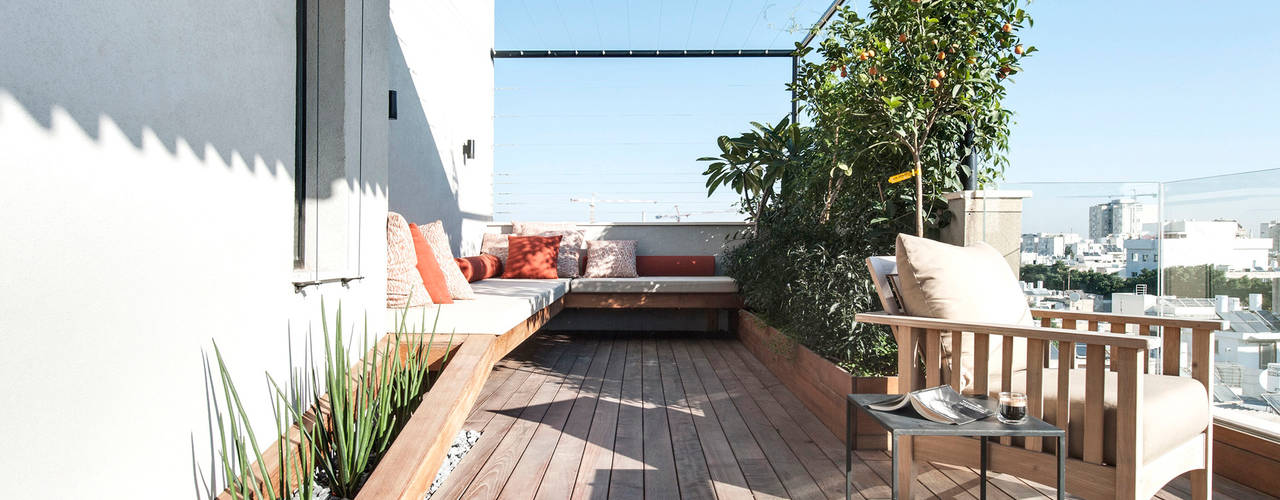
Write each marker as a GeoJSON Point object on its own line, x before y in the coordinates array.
{"type": "Point", "coordinates": [567, 34]}
{"type": "Point", "coordinates": [754, 23]}
{"type": "Point", "coordinates": [724, 21]}
{"type": "Point", "coordinates": [692, 15]}
{"type": "Point", "coordinates": [537, 32]}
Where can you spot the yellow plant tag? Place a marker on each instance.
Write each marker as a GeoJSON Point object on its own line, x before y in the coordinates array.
{"type": "Point", "coordinates": [902, 176]}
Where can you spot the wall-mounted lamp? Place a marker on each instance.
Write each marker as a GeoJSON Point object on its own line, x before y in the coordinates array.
{"type": "Point", "coordinates": [469, 149]}
{"type": "Point", "coordinates": [393, 111]}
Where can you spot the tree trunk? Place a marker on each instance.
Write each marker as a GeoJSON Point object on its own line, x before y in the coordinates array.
{"type": "Point", "coordinates": [919, 199]}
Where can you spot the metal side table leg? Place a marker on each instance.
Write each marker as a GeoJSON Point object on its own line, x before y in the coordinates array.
{"type": "Point", "coordinates": [893, 436]}
{"type": "Point", "coordinates": [849, 434]}
{"type": "Point", "coordinates": [1062, 466]}
{"type": "Point", "coordinates": [983, 477]}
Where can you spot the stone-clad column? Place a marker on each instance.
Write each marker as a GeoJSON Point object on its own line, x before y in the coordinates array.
{"type": "Point", "coordinates": [991, 216]}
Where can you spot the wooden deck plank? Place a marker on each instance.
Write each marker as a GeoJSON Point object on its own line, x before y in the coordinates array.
{"type": "Point", "coordinates": [757, 470]}
{"type": "Point", "coordinates": [794, 475]}
{"type": "Point", "coordinates": [497, 469]}
{"type": "Point", "coordinates": [660, 479]}
{"type": "Point", "coordinates": [497, 422]}
{"type": "Point", "coordinates": [824, 471]}
{"type": "Point", "coordinates": [692, 474]}
{"type": "Point", "coordinates": [865, 482]}
{"type": "Point", "coordinates": [563, 469]}
{"type": "Point", "coordinates": [714, 398]}
{"type": "Point", "coordinates": [592, 478]}
{"type": "Point", "coordinates": [528, 473]}
{"type": "Point", "coordinates": [722, 465]}
{"type": "Point", "coordinates": [626, 476]}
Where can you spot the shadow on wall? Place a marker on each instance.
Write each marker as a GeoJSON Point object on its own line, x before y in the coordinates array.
{"type": "Point", "coordinates": [425, 183]}
{"type": "Point", "coordinates": [215, 76]}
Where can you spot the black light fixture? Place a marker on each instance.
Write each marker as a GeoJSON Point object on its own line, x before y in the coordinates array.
{"type": "Point", "coordinates": [469, 149]}
{"type": "Point", "coordinates": [393, 111]}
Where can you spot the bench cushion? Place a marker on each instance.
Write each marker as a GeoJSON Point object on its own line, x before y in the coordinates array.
{"type": "Point", "coordinates": [499, 306]}
{"type": "Point", "coordinates": [1174, 409]}
{"type": "Point", "coordinates": [656, 284]}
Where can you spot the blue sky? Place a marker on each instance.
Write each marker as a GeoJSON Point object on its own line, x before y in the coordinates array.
{"type": "Point", "coordinates": [1120, 92]}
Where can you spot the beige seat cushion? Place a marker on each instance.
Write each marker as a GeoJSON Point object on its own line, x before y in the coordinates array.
{"type": "Point", "coordinates": [972, 284]}
{"type": "Point", "coordinates": [1174, 409]}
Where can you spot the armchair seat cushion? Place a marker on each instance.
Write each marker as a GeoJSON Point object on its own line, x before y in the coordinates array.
{"type": "Point", "coordinates": [1174, 409]}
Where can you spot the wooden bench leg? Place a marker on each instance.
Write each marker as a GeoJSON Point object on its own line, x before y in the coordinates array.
{"type": "Point", "coordinates": [713, 320]}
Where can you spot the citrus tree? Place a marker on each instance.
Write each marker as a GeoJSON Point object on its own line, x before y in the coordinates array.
{"type": "Point", "coordinates": [909, 81]}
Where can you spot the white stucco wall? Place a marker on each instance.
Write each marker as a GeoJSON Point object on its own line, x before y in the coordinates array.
{"type": "Point", "coordinates": [441, 67]}
{"type": "Point", "coordinates": [147, 205]}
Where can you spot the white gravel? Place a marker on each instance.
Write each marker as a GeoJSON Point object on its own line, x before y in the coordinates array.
{"type": "Point", "coordinates": [461, 444]}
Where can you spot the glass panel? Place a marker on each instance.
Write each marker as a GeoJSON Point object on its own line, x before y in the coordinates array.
{"type": "Point", "coordinates": [1087, 246]}
{"type": "Point", "coordinates": [1218, 260]}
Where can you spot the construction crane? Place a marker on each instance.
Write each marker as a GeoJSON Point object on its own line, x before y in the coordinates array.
{"type": "Point", "coordinates": [678, 215]}
{"type": "Point", "coordinates": [593, 200]}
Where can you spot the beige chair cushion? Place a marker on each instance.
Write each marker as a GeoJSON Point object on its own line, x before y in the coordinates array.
{"type": "Point", "coordinates": [494, 244]}
{"type": "Point", "coordinates": [404, 283]}
{"type": "Point", "coordinates": [453, 278]}
{"type": "Point", "coordinates": [972, 284]}
{"type": "Point", "coordinates": [1174, 409]}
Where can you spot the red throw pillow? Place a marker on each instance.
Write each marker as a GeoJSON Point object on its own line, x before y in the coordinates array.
{"type": "Point", "coordinates": [532, 257]}
{"type": "Point", "coordinates": [671, 265]}
{"type": "Point", "coordinates": [429, 269]}
{"type": "Point", "coordinates": [479, 267]}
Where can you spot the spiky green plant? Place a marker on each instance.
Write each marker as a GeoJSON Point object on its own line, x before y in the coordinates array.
{"type": "Point", "coordinates": [342, 431]}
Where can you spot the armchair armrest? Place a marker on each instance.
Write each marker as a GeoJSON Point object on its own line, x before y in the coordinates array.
{"type": "Point", "coordinates": [1193, 324]}
{"type": "Point", "coordinates": [1116, 340]}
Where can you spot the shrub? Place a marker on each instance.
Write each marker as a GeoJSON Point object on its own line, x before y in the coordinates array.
{"type": "Point", "coordinates": [809, 281]}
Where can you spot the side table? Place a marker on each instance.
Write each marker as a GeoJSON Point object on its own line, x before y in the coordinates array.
{"type": "Point", "coordinates": [906, 422]}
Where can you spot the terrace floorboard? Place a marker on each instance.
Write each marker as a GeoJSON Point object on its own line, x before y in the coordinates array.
{"type": "Point", "coordinates": [620, 415]}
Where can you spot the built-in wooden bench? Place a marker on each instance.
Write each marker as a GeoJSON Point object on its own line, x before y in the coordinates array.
{"type": "Point", "coordinates": [504, 314]}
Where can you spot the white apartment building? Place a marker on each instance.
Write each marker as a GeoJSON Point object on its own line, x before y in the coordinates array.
{"type": "Point", "coordinates": [1118, 217]}
{"type": "Point", "coordinates": [1220, 243]}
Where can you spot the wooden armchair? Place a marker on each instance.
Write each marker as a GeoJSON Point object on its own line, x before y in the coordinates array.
{"type": "Point", "coordinates": [1130, 432]}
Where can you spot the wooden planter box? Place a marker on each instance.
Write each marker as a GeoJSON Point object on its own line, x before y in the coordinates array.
{"type": "Point", "coordinates": [820, 384]}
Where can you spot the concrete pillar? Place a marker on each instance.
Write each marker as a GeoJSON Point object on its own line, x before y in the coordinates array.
{"type": "Point", "coordinates": [1275, 295]}
{"type": "Point", "coordinates": [994, 217]}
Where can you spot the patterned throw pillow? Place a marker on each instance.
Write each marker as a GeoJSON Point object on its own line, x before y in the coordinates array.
{"type": "Point", "coordinates": [404, 283]}
{"type": "Point", "coordinates": [453, 278]}
{"type": "Point", "coordinates": [571, 243]}
{"type": "Point", "coordinates": [611, 259]}
{"type": "Point", "coordinates": [496, 245]}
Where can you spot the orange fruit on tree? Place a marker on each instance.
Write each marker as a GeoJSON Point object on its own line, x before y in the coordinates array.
{"type": "Point", "coordinates": [842, 72]}
{"type": "Point", "coordinates": [862, 56]}
{"type": "Point", "coordinates": [902, 37]}
{"type": "Point", "coordinates": [942, 74]}
{"type": "Point", "coordinates": [871, 53]}
{"type": "Point", "coordinates": [873, 71]}
{"type": "Point", "coordinates": [973, 60]}
{"type": "Point", "coordinates": [942, 56]}
{"type": "Point", "coordinates": [883, 79]}
{"type": "Point", "coordinates": [1018, 50]}
{"type": "Point", "coordinates": [1006, 28]}
{"type": "Point", "coordinates": [934, 83]}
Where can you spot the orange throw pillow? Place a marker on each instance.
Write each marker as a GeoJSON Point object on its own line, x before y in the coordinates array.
{"type": "Point", "coordinates": [532, 257]}
{"type": "Point", "coordinates": [429, 269]}
{"type": "Point", "coordinates": [479, 267]}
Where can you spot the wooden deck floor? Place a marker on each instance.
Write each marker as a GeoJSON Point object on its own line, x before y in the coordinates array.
{"type": "Point", "coordinates": [674, 416]}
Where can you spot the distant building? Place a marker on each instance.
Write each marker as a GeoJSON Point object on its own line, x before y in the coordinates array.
{"type": "Point", "coordinates": [1117, 217]}
{"type": "Point", "coordinates": [1271, 230]}
{"type": "Point", "coordinates": [1039, 297]}
{"type": "Point", "coordinates": [1222, 243]}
